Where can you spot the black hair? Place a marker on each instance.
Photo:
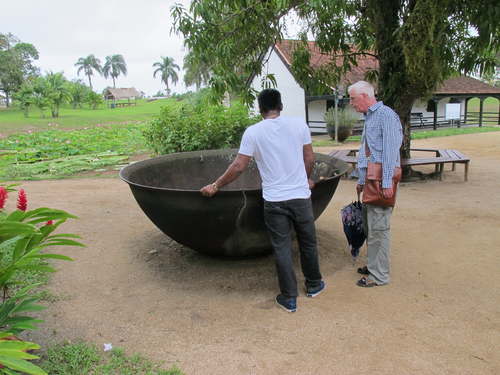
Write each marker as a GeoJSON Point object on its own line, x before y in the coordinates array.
{"type": "Point", "coordinates": [269, 99]}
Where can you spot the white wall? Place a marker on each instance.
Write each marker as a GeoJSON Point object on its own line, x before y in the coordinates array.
{"type": "Point", "coordinates": [292, 95]}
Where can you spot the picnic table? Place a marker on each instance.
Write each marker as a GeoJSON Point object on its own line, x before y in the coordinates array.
{"type": "Point", "coordinates": [124, 104]}
{"type": "Point", "coordinates": [440, 157]}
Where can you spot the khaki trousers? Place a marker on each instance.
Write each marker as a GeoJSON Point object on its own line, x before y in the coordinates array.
{"type": "Point", "coordinates": [377, 226]}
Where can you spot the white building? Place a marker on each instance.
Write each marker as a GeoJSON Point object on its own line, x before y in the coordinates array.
{"type": "Point", "coordinates": [297, 102]}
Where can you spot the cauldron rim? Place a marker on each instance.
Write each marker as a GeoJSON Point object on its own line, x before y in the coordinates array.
{"type": "Point", "coordinates": [224, 191]}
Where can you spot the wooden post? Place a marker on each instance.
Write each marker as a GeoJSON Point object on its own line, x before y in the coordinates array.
{"type": "Point", "coordinates": [498, 98]}
{"type": "Point", "coordinates": [465, 110]}
{"type": "Point", "coordinates": [434, 125]}
{"type": "Point", "coordinates": [481, 105]}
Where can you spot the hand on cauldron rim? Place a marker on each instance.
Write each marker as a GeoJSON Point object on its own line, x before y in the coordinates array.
{"type": "Point", "coordinates": [209, 190]}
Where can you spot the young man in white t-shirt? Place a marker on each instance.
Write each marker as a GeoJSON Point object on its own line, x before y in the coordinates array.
{"type": "Point", "coordinates": [281, 147]}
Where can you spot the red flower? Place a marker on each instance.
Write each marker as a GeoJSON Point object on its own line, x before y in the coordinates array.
{"type": "Point", "coordinates": [22, 201]}
{"type": "Point", "coordinates": [3, 197]}
{"type": "Point", "coordinates": [50, 222]}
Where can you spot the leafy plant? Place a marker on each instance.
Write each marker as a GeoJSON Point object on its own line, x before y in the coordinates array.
{"type": "Point", "coordinates": [28, 233]}
{"type": "Point", "coordinates": [14, 354]}
{"type": "Point", "coordinates": [56, 153]}
{"type": "Point", "coordinates": [346, 120]}
{"type": "Point", "coordinates": [23, 236]}
{"type": "Point", "coordinates": [197, 127]}
{"type": "Point", "coordinates": [94, 99]}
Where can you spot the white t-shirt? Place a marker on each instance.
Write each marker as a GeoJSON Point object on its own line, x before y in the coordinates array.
{"type": "Point", "coordinates": [277, 147]}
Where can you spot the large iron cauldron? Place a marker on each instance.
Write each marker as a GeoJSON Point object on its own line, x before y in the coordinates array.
{"type": "Point", "coordinates": [231, 223]}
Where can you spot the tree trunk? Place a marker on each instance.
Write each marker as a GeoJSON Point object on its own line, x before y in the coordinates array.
{"type": "Point", "coordinates": [114, 86]}
{"type": "Point", "coordinates": [90, 82]}
{"type": "Point", "coordinates": [7, 99]}
{"type": "Point", "coordinates": [392, 79]}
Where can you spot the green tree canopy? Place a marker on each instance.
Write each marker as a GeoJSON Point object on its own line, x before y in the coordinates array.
{"type": "Point", "coordinates": [196, 71]}
{"type": "Point", "coordinates": [167, 68]}
{"type": "Point", "coordinates": [16, 64]}
{"type": "Point", "coordinates": [114, 66]}
{"type": "Point", "coordinates": [89, 64]}
{"type": "Point", "coordinates": [418, 43]}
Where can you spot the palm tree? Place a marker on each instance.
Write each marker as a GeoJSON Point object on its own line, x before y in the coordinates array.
{"type": "Point", "coordinates": [57, 90]}
{"type": "Point", "coordinates": [167, 68]}
{"type": "Point", "coordinates": [114, 66]}
{"type": "Point", "coordinates": [88, 65]}
{"type": "Point", "coordinates": [196, 72]}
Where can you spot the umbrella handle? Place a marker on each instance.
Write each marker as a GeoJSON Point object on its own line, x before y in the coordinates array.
{"type": "Point", "coordinates": [359, 195]}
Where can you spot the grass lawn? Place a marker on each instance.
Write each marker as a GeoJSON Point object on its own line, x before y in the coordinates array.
{"type": "Point", "coordinates": [12, 119]}
{"type": "Point", "coordinates": [84, 358]}
{"type": "Point", "coordinates": [490, 111]}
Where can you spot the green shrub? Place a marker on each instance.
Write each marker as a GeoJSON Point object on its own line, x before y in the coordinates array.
{"type": "Point", "coordinates": [193, 127]}
{"type": "Point", "coordinates": [24, 235]}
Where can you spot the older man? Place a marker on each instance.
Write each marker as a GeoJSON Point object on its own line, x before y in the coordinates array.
{"type": "Point", "coordinates": [380, 143]}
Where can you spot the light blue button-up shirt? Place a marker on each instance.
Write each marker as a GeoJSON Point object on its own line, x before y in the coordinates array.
{"type": "Point", "coordinates": [384, 135]}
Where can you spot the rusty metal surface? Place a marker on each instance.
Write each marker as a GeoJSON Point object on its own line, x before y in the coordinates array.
{"type": "Point", "coordinates": [229, 224]}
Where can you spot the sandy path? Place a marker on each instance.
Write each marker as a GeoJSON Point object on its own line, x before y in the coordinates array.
{"type": "Point", "coordinates": [133, 287]}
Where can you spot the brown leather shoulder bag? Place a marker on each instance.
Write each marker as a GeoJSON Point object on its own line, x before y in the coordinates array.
{"type": "Point", "coordinates": [372, 191]}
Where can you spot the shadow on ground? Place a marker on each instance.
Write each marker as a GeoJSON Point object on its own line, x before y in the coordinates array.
{"type": "Point", "coordinates": [180, 267]}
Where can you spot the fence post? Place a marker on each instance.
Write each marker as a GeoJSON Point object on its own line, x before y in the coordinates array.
{"type": "Point", "coordinates": [481, 101]}
{"type": "Point", "coordinates": [434, 125]}
{"type": "Point", "coordinates": [465, 111]}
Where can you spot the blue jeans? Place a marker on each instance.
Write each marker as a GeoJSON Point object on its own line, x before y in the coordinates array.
{"type": "Point", "coordinates": [280, 218]}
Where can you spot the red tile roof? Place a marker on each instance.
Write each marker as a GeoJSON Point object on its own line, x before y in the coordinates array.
{"type": "Point", "coordinates": [465, 85]}
{"type": "Point", "coordinates": [457, 85]}
{"type": "Point", "coordinates": [357, 73]}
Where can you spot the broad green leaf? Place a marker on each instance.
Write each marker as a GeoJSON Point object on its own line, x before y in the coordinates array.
{"type": "Point", "coordinates": [16, 215]}
{"type": "Point", "coordinates": [18, 354]}
{"type": "Point", "coordinates": [20, 248]}
{"type": "Point", "coordinates": [62, 242]}
{"type": "Point", "coordinates": [64, 235]}
{"type": "Point", "coordinates": [22, 365]}
{"type": "Point", "coordinates": [28, 305]}
{"type": "Point", "coordinates": [51, 256]}
{"type": "Point", "coordinates": [12, 228]}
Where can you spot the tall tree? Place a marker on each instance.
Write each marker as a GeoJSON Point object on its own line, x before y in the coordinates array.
{"type": "Point", "coordinates": [418, 43]}
{"type": "Point", "coordinates": [114, 66]}
{"type": "Point", "coordinates": [57, 91]}
{"type": "Point", "coordinates": [196, 71]}
{"type": "Point", "coordinates": [89, 64]}
{"type": "Point", "coordinates": [78, 91]}
{"type": "Point", "coordinates": [16, 64]}
{"type": "Point", "coordinates": [167, 69]}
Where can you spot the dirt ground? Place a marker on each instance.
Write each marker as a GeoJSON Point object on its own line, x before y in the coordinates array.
{"type": "Point", "coordinates": [136, 288]}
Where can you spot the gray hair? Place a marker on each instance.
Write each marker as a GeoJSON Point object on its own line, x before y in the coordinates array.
{"type": "Point", "coordinates": [362, 87]}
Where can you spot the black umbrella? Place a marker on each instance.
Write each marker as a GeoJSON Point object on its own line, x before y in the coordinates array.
{"type": "Point", "coordinates": [352, 220]}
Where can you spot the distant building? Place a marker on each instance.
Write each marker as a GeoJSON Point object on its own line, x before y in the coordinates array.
{"type": "Point", "coordinates": [115, 97]}
{"type": "Point", "coordinates": [297, 102]}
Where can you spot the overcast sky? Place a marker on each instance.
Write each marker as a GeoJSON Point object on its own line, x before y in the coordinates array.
{"type": "Point", "coordinates": [65, 30]}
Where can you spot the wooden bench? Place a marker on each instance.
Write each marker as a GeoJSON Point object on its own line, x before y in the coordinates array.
{"type": "Point", "coordinates": [125, 104]}
{"type": "Point", "coordinates": [440, 158]}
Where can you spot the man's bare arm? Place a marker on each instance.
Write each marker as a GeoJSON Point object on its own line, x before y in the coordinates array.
{"type": "Point", "coordinates": [308, 159]}
{"type": "Point", "coordinates": [232, 173]}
